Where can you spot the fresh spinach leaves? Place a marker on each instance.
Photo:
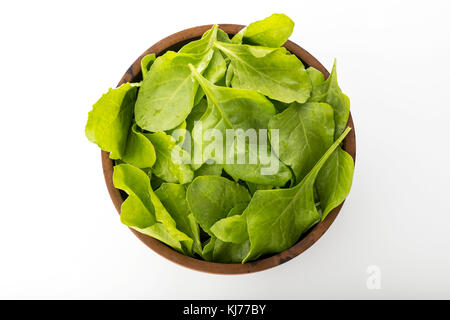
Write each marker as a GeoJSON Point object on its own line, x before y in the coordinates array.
{"type": "Point", "coordinates": [307, 128]}
{"type": "Point", "coordinates": [271, 32]}
{"type": "Point", "coordinates": [269, 71]}
{"type": "Point", "coordinates": [227, 150]}
{"type": "Point", "coordinates": [328, 91]}
{"type": "Point", "coordinates": [167, 93]}
{"type": "Point", "coordinates": [110, 120]}
{"type": "Point", "coordinates": [210, 199]}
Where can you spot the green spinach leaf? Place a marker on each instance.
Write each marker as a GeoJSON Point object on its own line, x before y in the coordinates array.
{"type": "Point", "coordinates": [109, 121]}
{"type": "Point", "coordinates": [227, 149]}
{"type": "Point", "coordinates": [209, 170]}
{"type": "Point", "coordinates": [165, 167]}
{"type": "Point", "coordinates": [222, 36]}
{"type": "Point", "coordinates": [237, 38]}
{"type": "Point", "coordinates": [208, 249]}
{"type": "Point", "coordinates": [329, 92]}
{"type": "Point", "coordinates": [280, 106]}
{"type": "Point", "coordinates": [210, 199]}
{"type": "Point", "coordinates": [173, 197]}
{"type": "Point", "coordinates": [306, 128]}
{"type": "Point", "coordinates": [139, 151]}
{"type": "Point", "coordinates": [253, 187]}
{"type": "Point", "coordinates": [142, 209]}
{"type": "Point", "coordinates": [178, 133]}
{"type": "Point", "coordinates": [230, 108]}
{"type": "Point", "coordinates": [235, 250]}
{"type": "Point", "coordinates": [217, 67]}
{"type": "Point", "coordinates": [228, 252]}
{"type": "Point", "coordinates": [277, 218]}
{"type": "Point", "coordinates": [233, 228]}
{"type": "Point", "coordinates": [272, 32]}
{"type": "Point", "coordinates": [137, 210]}
{"type": "Point", "coordinates": [316, 77]}
{"type": "Point", "coordinates": [334, 180]}
{"type": "Point", "coordinates": [229, 75]}
{"type": "Point", "coordinates": [159, 232]}
{"type": "Point", "coordinates": [197, 112]}
{"type": "Point", "coordinates": [146, 63]}
{"type": "Point", "coordinates": [167, 94]}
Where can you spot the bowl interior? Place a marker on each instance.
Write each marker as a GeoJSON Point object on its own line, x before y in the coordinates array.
{"type": "Point", "coordinates": [133, 74]}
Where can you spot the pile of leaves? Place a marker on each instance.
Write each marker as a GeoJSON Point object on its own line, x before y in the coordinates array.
{"type": "Point", "coordinates": [223, 211]}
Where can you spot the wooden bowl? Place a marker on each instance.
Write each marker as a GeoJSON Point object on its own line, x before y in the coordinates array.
{"type": "Point", "coordinates": [133, 74]}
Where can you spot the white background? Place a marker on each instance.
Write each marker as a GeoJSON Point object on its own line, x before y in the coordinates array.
{"type": "Point", "coordinates": [60, 236]}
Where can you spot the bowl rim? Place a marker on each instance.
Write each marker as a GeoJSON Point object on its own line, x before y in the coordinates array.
{"type": "Point", "coordinates": [274, 260]}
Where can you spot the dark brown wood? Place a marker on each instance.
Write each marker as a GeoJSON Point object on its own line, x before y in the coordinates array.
{"type": "Point", "coordinates": [174, 42]}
